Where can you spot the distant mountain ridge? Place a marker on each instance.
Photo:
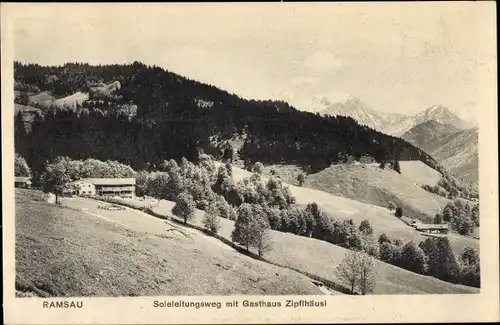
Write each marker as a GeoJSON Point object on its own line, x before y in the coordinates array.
{"type": "Point", "coordinates": [456, 149]}
{"type": "Point", "coordinates": [390, 123]}
{"type": "Point", "coordinates": [149, 115]}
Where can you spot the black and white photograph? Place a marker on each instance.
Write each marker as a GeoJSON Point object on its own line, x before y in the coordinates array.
{"type": "Point", "coordinates": [208, 150]}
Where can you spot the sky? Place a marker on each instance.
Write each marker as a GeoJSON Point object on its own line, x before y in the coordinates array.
{"type": "Point", "coordinates": [396, 57]}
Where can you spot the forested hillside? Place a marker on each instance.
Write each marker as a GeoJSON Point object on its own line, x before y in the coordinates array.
{"type": "Point", "coordinates": [142, 115]}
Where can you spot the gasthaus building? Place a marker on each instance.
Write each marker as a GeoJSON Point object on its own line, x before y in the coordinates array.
{"type": "Point", "coordinates": [124, 187]}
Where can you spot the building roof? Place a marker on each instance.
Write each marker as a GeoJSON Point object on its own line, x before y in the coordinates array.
{"type": "Point", "coordinates": [21, 179]}
{"type": "Point", "coordinates": [110, 181]}
{"type": "Point", "coordinates": [432, 226]}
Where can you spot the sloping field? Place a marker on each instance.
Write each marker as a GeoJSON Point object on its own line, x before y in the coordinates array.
{"type": "Point", "coordinates": [373, 185]}
{"type": "Point", "coordinates": [73, 99]}
{"type": "Point", "coordinates": [381, 219]}
{"type": "Point", "coordinates": [67, 252]}
{"type": "Point", "coordinates": [419, 173]}
{"type": "Point", "coordinates": [43, 98]}
{"type": "Point", "coordinates": [321, 258]}
{"type": "Point", "coordinates": [286, 173]}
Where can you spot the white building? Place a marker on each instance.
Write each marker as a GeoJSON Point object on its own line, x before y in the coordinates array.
{"type": "Point", "coordinates": [124, 187]}
{"type": "Point", "coordinates": [83, 187]}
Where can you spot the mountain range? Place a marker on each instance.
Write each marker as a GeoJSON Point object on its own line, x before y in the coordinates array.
{"type": "Point", "coordinates": [390, 123]}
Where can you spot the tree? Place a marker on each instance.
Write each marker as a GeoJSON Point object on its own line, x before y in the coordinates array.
{"type": "Point", "coordinates": [251, 228]}
{"type": "Point", "coordinates": [258, 168]}
{"type": "Point", "coordinates": [262, 238]}
{"type": "Point", "coordinates": [357, 270]}
{"type": "Point", "coordinates": [225, 210]}
{"type": "Point", "coordinates": [211, 220]}
{"type": "Point", "coordinates": [355, 239]}
{"type": "Point", "coordinates": [21, 167]}
{"type": "Point", "coordinates": [20, 139]}
{"type": "Point", "coordinates": [365, 227]}
{"type": "Point", "coordinates": [228, 152]}
{"type": "Point", "coordinates": [470, 256]}
{"type": "Point", "coordinates": [383, 238]}
{"type": "Point", "coordinates": [398, 242]}
{"type": "Point", "coordinates": [273, 216]}
{"type": "Point", "coordinates": [391, 206]}
{"type": "Point", "coordinates": [397, 168]}
{"type": "Point", "coordinates": [229, 169]}
{"type": "Point", "coordinates": [399, 212]}
{"type": "Point", "coordinates": [206, 162]}
{"type": "Point", "coordinates": [156, 184]}
{"type": "Point", "coordinates": [370, 245]}
{"type": "Point", "coordinates": [438, 219]}
{"type": "Point", "coordinates": [243, 227]}
{"type": "Point", "coordinates": [301, 179]}
{"type": "Point", "coordinates": [444, 264]}
{"type": "Point", "coordinates": [348, 270]}
{"type": "Point", "coordinates": [367, 276]}
{"type": "Point", "coordinates": [248, 165]}
{"type": "Point", "coordinates": [55, 179]}
{"type": "Point", "coordinates": [463, 224]}
{"type": "Point", "coordinates": [184, 206]}
{"type": "Point", "coordinates": [413, 258]}
{"type": "Point", "coordinates": [470, 273]}
{"type": "Point", "coordinates": [24, 98]}
{"type": "Point", "coordinates": [389, 253]}
{"type": "Point", "coordinates": [475, 214]}
{"type": "Point", "coordinates": [448, 212]}
{"type": "Point", "coordinates": [382, 165]}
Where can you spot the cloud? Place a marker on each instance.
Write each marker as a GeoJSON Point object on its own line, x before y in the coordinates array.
{"type": "Point", "coordinates": [322, 61]}
{"type": "Point", "coordinates": [303, 80]}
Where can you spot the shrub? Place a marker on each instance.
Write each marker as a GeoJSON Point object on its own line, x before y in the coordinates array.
{"type": "Point", "coordinates": [397, 168]}
{"type": "Point", "coordinates": [399, 212]}
{"type": "Point", "coordinates": [365, 227]}
{"type": "Point", "coordinates": [301, 179]}
{"type": "Point", "coordinates": [383, 238]}
{"type": "Point", "coordinates": [258, 168]}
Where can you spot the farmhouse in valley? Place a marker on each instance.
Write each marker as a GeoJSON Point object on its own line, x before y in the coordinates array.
{"type": "Point", "coordinates": [124, 187]}
{"type": "Point", "coordinates": [22, 182]}
{"type": "Point", "coordinates": [441, 228]}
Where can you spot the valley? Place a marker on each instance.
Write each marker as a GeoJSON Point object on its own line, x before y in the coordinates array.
{"type": "Point", "coordinates": [275, 198]}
